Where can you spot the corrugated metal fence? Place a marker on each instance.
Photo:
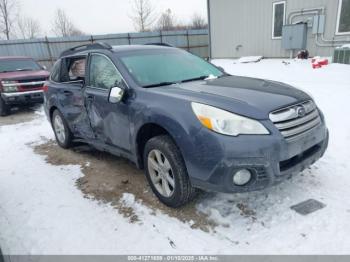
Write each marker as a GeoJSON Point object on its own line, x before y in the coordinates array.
{"type": "Point", "coordinates": [46, 50]}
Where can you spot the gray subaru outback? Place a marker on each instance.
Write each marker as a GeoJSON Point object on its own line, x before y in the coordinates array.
{"type": "Point", "coordinates": [186, 122]}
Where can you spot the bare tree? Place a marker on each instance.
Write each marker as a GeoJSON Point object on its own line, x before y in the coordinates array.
{"type": "Point", "coordinates": [63, 26]}
{"type": "Point", "coordinates": [167, 21]}
{"type": "Point", "coordinates": [144, 15]}
{"type": "Point", "coordinates": [198, 22]}
{"type": "Point", "coordinates": [7, 14]}
{"type": "Point", "coordinates": [29, 28]}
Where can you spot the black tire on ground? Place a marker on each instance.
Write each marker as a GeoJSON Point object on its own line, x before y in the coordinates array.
{"type": "Point", "coordinates": [4, 109]}
{"type": "Point", "coordinates": [183, 192]}
{"type": "Point", "coordinates": [67, 142]}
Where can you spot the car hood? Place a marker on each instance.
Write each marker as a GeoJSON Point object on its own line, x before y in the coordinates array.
{"type": "Point", "coordinates": [21, 75]}
{"type": "Point", "coordinates": [251, 97]}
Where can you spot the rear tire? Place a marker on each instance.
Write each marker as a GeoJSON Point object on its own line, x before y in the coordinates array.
{"type": "Point", "coordinates": [4, 109]}
{"type": "Point", "coordinates": [64, 136]}
{"type": "Point", "coordinates": [166, 172]}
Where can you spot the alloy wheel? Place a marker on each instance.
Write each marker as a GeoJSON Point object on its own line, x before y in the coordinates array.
{"type": "Point", "coordinates": [161, 173]}
{"type": "Point", "coordinates": [59, 129]}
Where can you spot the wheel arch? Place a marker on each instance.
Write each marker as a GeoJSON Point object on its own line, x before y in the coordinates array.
{"type": "Point", "coordinates": [52, 109]}
{"type": "Point", "coordinates": [152, 129]}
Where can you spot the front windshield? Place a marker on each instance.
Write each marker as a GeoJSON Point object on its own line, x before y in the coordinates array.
{"type": "Point", "coordinates": [151, 68]}
{"type": "Point", "coordinates": [18, 65]}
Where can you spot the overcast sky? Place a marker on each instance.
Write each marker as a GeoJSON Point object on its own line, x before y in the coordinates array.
{"type": "Point", "coordinates": [104, 16]}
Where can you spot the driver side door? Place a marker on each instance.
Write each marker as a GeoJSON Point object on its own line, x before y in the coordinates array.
{"type": "Point", "coordinates": [109, 121]}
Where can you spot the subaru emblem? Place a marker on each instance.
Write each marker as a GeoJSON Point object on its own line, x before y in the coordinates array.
{"type": "Point", "coordinates": [301, 111]}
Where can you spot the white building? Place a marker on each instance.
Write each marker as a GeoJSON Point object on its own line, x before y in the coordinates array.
{"type": "Point", "coordinates": [254, 27]}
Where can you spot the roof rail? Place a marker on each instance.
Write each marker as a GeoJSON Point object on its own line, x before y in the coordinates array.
{"type": "Point", "coordinates": [79, 48]}
{"type": "Point", "coordinates": [160, 44]}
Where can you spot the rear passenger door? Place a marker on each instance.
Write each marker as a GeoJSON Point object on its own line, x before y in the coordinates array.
{"type": "Point", "coordinates": [68, 80]}
{"type": "Point", "coordinates": [110, 122]}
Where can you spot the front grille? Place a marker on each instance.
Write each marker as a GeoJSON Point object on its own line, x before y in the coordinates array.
{"type": "Point", "coordinates": [31, 83]}
{"type": "Point", "coordinates": [32, 80]}
{"type": "Point", "coordinates": [32, 86]}
{"type": "Point", "coordinates": [296, 120]}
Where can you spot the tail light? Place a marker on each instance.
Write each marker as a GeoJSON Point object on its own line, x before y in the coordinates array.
{"type": "Point", "coordinates": [45, 88]}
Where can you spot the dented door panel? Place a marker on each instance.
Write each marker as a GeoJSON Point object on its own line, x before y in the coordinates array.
{"type": "Point", "coordinates": [70, 101]}
{"type": "Point", "coordinates": [110, 122]}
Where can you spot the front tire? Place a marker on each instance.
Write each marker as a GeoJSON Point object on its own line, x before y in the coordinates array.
{"type": "Point", "coordinates": [4, 109]}
{"type": "Point", "coordinates": [166, 172]}
{"type": "Point", "coordinates": [62, 132]}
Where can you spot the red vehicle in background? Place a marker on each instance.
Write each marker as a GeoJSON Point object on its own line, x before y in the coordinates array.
{"type": "Point", "coordinates": [21, 82]}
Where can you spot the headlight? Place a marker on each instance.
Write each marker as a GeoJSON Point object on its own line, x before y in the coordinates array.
{"type": "Point", "coordinates": [227, 123]}
{"type": "Point", "coordinates": [9, 86]}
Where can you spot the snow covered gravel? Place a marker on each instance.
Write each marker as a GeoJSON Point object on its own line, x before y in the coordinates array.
{"type": "Point", "coordinates": [43, 212]}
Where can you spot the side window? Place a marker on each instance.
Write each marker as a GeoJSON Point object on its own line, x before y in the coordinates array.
{"type": "Point", "coordinates": [55, 72]}
{"type": "Point", "coordinates": [72, 69]}
{"type": "Point", "coordinates": [103, 73]}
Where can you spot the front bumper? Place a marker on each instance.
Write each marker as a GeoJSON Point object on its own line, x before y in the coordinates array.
{"type": "Point", "coordinates": [271, 158]}
{"type": "Point", "coordinates": [19, 98]}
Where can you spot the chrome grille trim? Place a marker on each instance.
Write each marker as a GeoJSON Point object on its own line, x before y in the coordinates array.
{"type": "Point", "coordinates": [25, 84]}
{"type": "Point", "coordinates": [290, 113]}
{"type": "Point", "coordinates": [301, 129]}
{"type": "Point", "coordinates": [296, 120]}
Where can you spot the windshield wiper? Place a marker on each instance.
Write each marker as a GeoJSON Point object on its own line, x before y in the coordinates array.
{"type": "Point", "coordinates": [160, 84]}
{"type": "Point", "coordinates": [195, 79]}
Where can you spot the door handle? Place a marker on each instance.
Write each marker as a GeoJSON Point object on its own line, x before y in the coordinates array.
{"type": "Point", "coordinates": [90, 98]}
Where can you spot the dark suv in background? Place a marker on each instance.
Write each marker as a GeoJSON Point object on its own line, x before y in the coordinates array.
{"type": "Point", "coordinates": [186, 122]}
{"type": "Point", "coordinates": [21, 82]}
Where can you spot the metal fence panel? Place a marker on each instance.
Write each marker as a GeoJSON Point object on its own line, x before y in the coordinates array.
{"type": "Point", "coordinates": [47, 50]}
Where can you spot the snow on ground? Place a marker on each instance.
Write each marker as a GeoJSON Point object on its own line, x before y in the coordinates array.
{"type": "Point", "coordinates": [43, 212]}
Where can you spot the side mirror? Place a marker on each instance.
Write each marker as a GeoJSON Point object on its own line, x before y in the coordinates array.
{"type": "Point", "coordinates": [44, 67]}
{"type": "Point", "coordinates": [116, 95]}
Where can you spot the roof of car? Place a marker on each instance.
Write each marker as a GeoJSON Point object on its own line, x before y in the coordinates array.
{"type": "Point", "coordinates": [84, 49]}
{"type": "Point", "coordinates": [13, 57]}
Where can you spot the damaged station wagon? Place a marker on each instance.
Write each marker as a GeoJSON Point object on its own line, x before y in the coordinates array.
{"type": "Point", "coordinates": [186, 122]}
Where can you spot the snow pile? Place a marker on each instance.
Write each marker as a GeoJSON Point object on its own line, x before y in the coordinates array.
{"type": "Point", "coordinates": [250, 59]}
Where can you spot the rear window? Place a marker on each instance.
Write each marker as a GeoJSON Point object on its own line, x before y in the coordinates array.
{"type": "Point", "coordinates": [16, 65]}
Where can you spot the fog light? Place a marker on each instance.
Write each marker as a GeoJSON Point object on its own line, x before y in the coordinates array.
{"type": "Point", "coordinates": [242, 177]}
